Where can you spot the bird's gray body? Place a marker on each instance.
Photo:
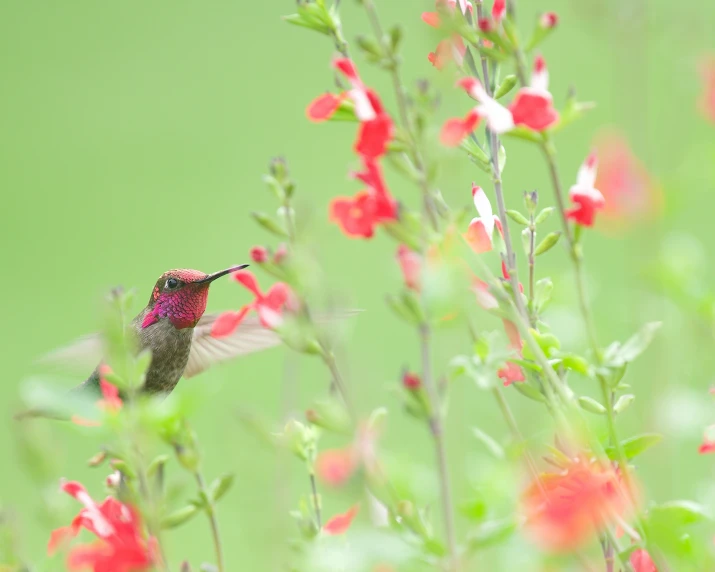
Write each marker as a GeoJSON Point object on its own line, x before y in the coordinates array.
{"type": "Point", "coordinates": [170, 348]}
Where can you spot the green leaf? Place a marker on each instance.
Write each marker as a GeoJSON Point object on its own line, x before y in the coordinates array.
{"type": "Point", "coordinates": [679, 513]}
{"type": "Point", "coordinates": [517, 217]}
{"type": "Point", "coordinates": [523, 134]}
{"type": "Point", "coordinates": [635, 345]}
{"type": "Point", "coordinates": [179, 517]}
{"type": "Point", "coordinates": [475, 509]}
{"type": "Point", "coordinates": [543, 215]}
{"type": "Point", "coordinates": [491, 532]}
{"type": "Point", "coordinates": [548, 243]}
{"type": "Point", "coordinates": [576, 363]}
{"type": "Point", "coordinates": [528, 390]}
{"type": "Point", "coordinates": [591, 405]}
{"type": "Point", "coordinates": [501, 158]}
{"type": "Point", "coordinates": [623, 402]}
{"type": "Point", "coordinates": [635, 445]}
{"type": "Point", "coordinates": [269, 224]}
{"type": "Point", "coordinates": [155, 464]}
{"type": "Point", "coordinates": [506, 86]}
{"type": "Point", "coordinates": [494, 448]}
{"type": "Point", "coordinates": [219, 487]}
{"type": "Point", "coordinates": [542, 294]}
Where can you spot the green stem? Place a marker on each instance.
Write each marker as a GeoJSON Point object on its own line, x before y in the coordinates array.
{"type": "Point", "coordinates": [210, 510]}
{"type": "Point", "coordinates": [316, 500]}
{"type": "Point", "coordinates": [437, 429]}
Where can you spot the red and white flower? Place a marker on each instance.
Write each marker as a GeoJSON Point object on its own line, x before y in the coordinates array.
{"type": "Point", "coordinates": [586, 198]}
{"type": "Point", "coordinates": [481, 228]}
{"type": "Point", "coordinates": [499, 10]}
{"type": "Point", "coordinates": [376, 126]}
{"type": "Point", "coordinates": [498, 118]}
{"type": "Point", "coordinates": [121, 546]}
{"type": "Point", "coordinates": [533, 106]}
{"type": "Point", "coordinates": [453, 48]}
{"type": "Point", "coordinates": [268, 306]}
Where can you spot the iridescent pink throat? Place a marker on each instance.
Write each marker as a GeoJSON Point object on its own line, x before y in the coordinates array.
{"type": "Point", "coordinates": [183, 308]}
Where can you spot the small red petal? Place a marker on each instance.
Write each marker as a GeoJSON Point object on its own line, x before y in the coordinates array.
{"type": "Point", "coordinates": [259, 254]}
{"type": "Point", "coordinates": [58, 538]}
{"type": "Point", "coordinates": [248, 280]}
{"type": "Point", "coordinates": [641, 561]}
{"type": "Point", "coordinates": [707, 447]}
{"type": "Point", "coordinates": [373, 137]}
{"type": "Point", "coordinates": [323, 107]}
{"type": "Point", "coordinates": [499, 9]}
{"type": "Point", "coordinates": [534, 111]}
{"type": "Point", "coordinates": [340, 523]}
{"type": "Point", "coordinates": [456, 129]}
{"type": "Point", "coordinates": [335, 467]}
{"type": "Point", "coordinates": [411, 381]}
{"type": "Point", "coordinates": [347, 67]}
{"type": "Point", "coordinates": [431, 19]}
{"type": "Point", "coordinates": [73, 488]}
{"type": "Point", "coordinates": [477, 237]}
{"type": "Point", "coordinates": [227, 323]}
{"type": "Point", "coordinates": [549, 20]}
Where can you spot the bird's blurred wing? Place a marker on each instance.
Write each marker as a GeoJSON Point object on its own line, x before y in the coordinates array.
{"type": "Point", "coordinates": [83, 354]}
{"type": "Point", "coordinates": [206, 350]}
{"type": "Point", "coordinates": [249, 337]}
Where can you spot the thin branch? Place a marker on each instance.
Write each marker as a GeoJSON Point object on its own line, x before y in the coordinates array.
{"type": "Point", "coordinates": [316, 500]}
{"type": "Point", "coordinates": [210, 510]}
{"type": "Point", "coordinates": [437, 430]}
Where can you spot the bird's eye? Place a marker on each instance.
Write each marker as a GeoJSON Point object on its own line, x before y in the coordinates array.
{"type": "Point", "coordinates": [172, 284]}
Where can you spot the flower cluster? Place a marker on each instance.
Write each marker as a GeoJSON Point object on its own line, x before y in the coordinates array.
{"type": "Point", "coordinates": [120, 545]}
{"type": "Point", "coordinates": [359, 215]}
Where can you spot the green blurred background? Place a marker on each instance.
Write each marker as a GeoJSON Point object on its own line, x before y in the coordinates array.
{"type": "Point", "coordinates": [134, 137]}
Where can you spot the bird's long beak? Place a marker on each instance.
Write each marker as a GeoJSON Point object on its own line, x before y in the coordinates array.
{"type": "Point", "coordinates": [211, 277]}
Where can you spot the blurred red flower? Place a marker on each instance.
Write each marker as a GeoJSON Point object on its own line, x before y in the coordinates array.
{"type": "Point", "coordinates": [411, 381]}
{"type": "Point", "coordinates": [511, 372]}
{"type": "Point", "coordinates": [335, 466]}
{"type": "Point", "coordinates": [630, 193]}
{"type": "Point", "coordinates": [641, 561]}
{"type": "Point", "coordinates": [121, 546]}
{"type": "Point", "coordinates": [568, 509]}
{"type": "Point", "coordinates": [411, 267]}
{"type": "Point", "coordinates": [481, 228]}
{"type": "Point", "coordinates": [340, 523]}
{"type": "Point", "coordinates": [452, 49]}
{"type": "Point", "coordinates": [707, 98]}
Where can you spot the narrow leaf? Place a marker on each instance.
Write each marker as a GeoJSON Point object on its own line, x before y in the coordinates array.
{"type": "Point", "coordinates": [517, 217]}
{"type": "Point", "coordinates": [635, 445]}
{"type": "Point", "coordinates": [591, 405]}
{"type": "Point", "coordinates": [179, 517]}
{"type": "Point", "coordinates": [494, 448]}
{"type": "Point", "coordinates": [219, 487]}
{"type": "Point", "coordinates": [548, 243]}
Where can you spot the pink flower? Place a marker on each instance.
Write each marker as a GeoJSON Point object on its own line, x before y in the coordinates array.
{"type": "Point", "coordinates": [499, 10]}
{"type": "Point", "coordinates": [340, 523]}
{"type": "Point", "coordinates": [456, 129]}
{"type": "Point", "coordinates": [707, 98]}
{"type": "Point", "coordinates": [485, 299]}
{"type": "Point", "coordinates": [335, 466]}
{"type": "Point", "coordinates": [481, 228]}
{"type": "Point", "coordinates": [259, 254]}
{"type": "Point", "coordinates": [630, 192]}
{"type": "Point", "coordinates": [451, 50]}
{"type": "Point", "coordinates": [121, 546]}
{"type": "Point", "coordinates": [499, 118]}
{"type": "Point", "coordinates": [549, 20]}
{"type": "Point", "coordinates": [411, 266]}
{"type": "Point", "coordinates": [587, 199]}
{"type": "Point", "coordinates": [533, 106]}
{"type": "Point", "coordinates": [641, 561]}
{"type": "Point", "coordinates": [269, 306]}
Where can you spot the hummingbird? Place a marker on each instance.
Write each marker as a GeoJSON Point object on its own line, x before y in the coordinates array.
{"type": "Point", "coordinates": [175, 328]}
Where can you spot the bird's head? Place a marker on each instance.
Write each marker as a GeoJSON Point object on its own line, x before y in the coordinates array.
{"type": "Point", "coordinates": [180, 296]}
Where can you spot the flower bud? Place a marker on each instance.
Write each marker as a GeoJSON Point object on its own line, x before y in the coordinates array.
{"type": "Point", "coordinates": [112, 481]}
{"type": "Point", "coordinates": [411, 381]}
{"type": "Point", "coordinates": [259, 254]}
{"type": "Point", "coordinates": [280, 254]}
{"type": "Point", "coordinates": [549, 20]}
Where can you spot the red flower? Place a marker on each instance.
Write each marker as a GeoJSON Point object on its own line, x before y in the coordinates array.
{"type": "Point", "coordinates": [629, 191]}
{"type": "Point", "coordinates": [259, 254]}
{"type": "Point", "coordinates": [481, 228]}
{"type": "Point", "coordinates": [121, 546]}
{"type": "Point", "coordinates": [358, 216]}
{"type": "Point", "coordinates": [411, 381]}
{"type": "Point", "coordinates": [511, 372]}
{"type": "Point", "coordinates": [452, 49]}
{"type": "Point", "coordinates": [340, 523]}
{"type": "Point", "coordinates": [567, 509]}
{"type": "Point", "coordinates": [269, 306]}
{"type": "Point", "coordinates": [708, 444]}
{"type": "Point", "coordinates": [431, 19]}
{"type": "Point", "coordinates": [335, 466]}
{"type": "Point", "coordinates": [456, 129]}
{"type": "Point", "coordinates": [376, 126]}
{"type": "Point", "coordinates": [641, 561]}
{"type": "Point", "coordinates": [499, 10]}
{"type": "Point", "coordinates": [280, 254]}
{"type": "Point", "coordinates": [533, 106]}
{"type": "Point", "coordinates": [411, 266]}
{"type": "Point", "coordinates": [588, 200]}
{"type": "Point", "coordinates": [707, 99]}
